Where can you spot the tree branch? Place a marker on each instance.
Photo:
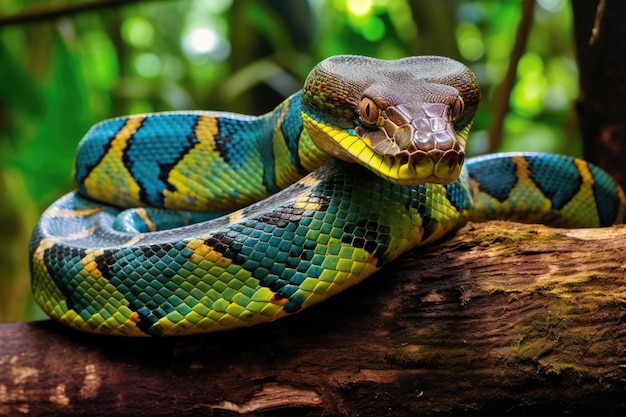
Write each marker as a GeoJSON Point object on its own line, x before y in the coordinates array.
{"type": "Point", "coordinates": [501, 101]}
{"type": "Point", "coordinates": [502, 318]}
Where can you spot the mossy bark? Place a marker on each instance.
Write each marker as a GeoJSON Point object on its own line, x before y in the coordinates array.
{"type": "Point", "coordinates": [501, 319]}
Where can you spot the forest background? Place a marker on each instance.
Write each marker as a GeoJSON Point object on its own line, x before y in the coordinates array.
{"type": "Point", "coordinates": [65, 65]}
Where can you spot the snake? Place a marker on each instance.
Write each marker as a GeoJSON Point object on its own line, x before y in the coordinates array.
{"type": "Point", "coordinates": [197, 221]}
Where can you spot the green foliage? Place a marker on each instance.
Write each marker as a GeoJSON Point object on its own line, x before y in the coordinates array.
{"type": "Point", "coordinates": [59, 76]}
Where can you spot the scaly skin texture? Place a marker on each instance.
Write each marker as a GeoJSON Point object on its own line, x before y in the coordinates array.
{"type": "Point", "coordinates": [148, 245]}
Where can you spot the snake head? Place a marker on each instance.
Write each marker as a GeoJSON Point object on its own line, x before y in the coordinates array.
{"type": "Point", "coordinates": [406, 120]}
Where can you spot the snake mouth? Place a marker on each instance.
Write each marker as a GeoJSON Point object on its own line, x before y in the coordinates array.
{"type": "Point", "coordinates": [435, 166]}
{"type": "Point", "coordinates": [416, 144]}
{"type": "Point", "coordinates": [406, 167]}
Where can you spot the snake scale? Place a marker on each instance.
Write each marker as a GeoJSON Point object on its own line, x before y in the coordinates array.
{"type": "Point", "coordinates": [193, 222]}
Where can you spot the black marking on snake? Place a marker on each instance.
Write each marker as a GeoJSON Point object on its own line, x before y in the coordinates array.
{"type": "Point", "coordinates": [233, 146]}
{"type": "Point", "coordinates": [419, 202]}
{"type": "Point", "coordinates": [137, 284]}
{"type": "Point", "coordinates": [292, 128]}
{"type": "Point", "coordinates": [128, 162]}
{"type": "Point", "coordinates": [148, 315]}
{"type": "Point", "coordinates": [166, 168]}
{"type": "Point", "coordinates": [107, 147]}
{"type": "Point", "coordinates": [221, 146]}
{"type": "Point", "coordinates": [222, 243]}
{"type": "Point", "coordinates": [289, 214]}
{"type": "Point", "coordinates": [281, 218]}
{"type": "Point", "coordinates": [292, 141]}
{"type": "Point", "coordinates": [231, 135]}
{"type": "Point", "coordinates": [279, 256]}
{"type": "Point", "coordinates": [504, 171]}
{"type": "Point", "coordinates": [369, 235]}
{"type": "Point", "coordinates": [104, 263]}
{"type": "Point", "coordinates": [269, 170]}
{"type": "Point", "coordinates": [58, 263]}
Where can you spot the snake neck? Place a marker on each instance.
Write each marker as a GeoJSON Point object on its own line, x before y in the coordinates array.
{"type": "Point", "coordinates": [293, 152]}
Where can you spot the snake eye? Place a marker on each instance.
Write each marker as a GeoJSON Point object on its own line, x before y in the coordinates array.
{"type": "Point", "coordinates": [456, 109]}
{"type": "Point", "coordinates": [369, 112]}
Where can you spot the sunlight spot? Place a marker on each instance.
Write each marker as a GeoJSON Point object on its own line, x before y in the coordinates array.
{"type": "Point", "coordinates": [200, 41]}
{"type": "Point", "coordinates": [203, 43]}
{"type": "Point", "coordinates": [359, 7]}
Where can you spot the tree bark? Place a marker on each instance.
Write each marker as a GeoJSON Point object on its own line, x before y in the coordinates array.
{"type": "Point", "coordinates": [599, 30]}
{"type": "Point", "coordinates": [501, 319]}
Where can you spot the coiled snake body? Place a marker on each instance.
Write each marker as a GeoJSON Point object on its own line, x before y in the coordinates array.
{"type": "Point", "coordinates": [149, 244]}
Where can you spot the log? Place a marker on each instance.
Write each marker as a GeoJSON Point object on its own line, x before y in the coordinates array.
{"type": "Point", "coordinates": [500, 319]}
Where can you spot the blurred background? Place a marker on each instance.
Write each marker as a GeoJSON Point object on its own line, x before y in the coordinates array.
{"type": "Point", "coordinates": [66, 64]}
